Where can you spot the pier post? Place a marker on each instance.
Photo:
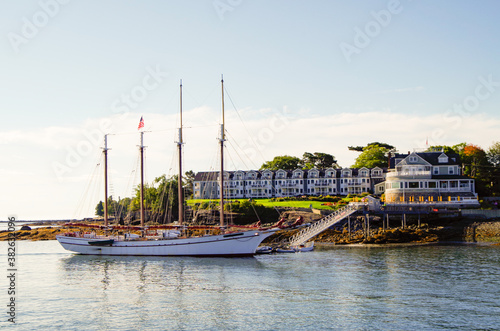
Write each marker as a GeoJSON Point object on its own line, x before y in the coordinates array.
{"type": "Point", "coordinates": [349, 226]}
{"type": "Point", "coordinates": [367, 222]}
{"type": "Point", "coordinates": [388, 226]}
{"type": "Point", "coordinates": [418, 219]}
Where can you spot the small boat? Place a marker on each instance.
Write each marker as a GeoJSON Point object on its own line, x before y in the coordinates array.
{"type": "Point", "coordinates": [285, 250]}
{"type": "Point", "coordinates": [307, 247]}
{"type": "Point", "coordinates": [264, 250]}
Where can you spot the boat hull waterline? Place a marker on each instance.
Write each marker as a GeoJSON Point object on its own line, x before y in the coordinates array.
{"type": "Point", "coordinates": [234, 244]}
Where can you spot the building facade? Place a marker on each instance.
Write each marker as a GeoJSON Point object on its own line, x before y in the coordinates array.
{"type": "Point", "coordinates": [426, 177]}
{"type": "Point", "coordinates": [283, 183]}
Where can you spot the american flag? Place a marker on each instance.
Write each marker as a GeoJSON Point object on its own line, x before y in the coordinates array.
{"type": "Point", "coordinates": [141, 124]}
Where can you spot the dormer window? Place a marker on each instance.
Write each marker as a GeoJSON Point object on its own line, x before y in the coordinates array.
{"type": "Point", "coordinates": [413, 159]}
{"type": "Point", "coordinates": [443, 158]}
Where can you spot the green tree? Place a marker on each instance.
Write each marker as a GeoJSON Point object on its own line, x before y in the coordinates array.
{"type": "Point", "coordinates": [493, 157]}
{"type": "Point", "coordinates": [493, 154]}
{"type": "Point", "coordinates": [188, 183]}
{"type": "Point", "coordinates": [459, 148]}
{"type": "Point", "coordinates": [284, 162]}
{"type": "Point", "coordinates": [372, 156]}
{"type": "Point", "coordinates": [361, 148]}
{"type": "Point", "coordinates": [444, 148]}
{"type": "Point", "coordinates": [160, 198]}
{"type": "Point", "coordinates": [99, 209]}
{"type": "Point", "coordinates": [318, 160]}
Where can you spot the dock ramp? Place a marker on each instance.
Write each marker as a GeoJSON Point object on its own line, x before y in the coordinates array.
{"type": "Point", "coordinates": [317, 227]}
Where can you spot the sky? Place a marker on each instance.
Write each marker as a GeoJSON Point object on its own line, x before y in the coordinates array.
{"type": "Point", "coordinates": [299, 76]}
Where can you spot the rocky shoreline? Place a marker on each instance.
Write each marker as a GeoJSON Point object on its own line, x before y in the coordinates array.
{"type": "Point", "coordinates": [457, 229]}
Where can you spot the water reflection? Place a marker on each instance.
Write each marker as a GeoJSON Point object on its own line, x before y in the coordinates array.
{"type": "Point", "coordinates": [349, 288]}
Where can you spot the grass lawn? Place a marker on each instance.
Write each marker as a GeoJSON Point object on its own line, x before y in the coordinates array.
{"type": "Point", "coordinates": [267, 203]}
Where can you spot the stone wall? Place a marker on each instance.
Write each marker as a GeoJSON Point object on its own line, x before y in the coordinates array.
{"type": "Point", "coordinates": [481, 212]}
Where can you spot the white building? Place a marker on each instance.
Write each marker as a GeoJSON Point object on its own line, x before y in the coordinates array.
{"type": "Point", "coordinates": [283, 183]}
{"type": "Point", "coordinates": [427, 177]}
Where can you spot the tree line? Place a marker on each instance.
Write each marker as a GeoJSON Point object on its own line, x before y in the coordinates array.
{"type": "Point", "coordinates": [161, 199]}
{"type": "Point", "coordinates": [482, 165]}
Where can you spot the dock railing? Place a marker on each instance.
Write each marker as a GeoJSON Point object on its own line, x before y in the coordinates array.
{"type": "Point", "coordinates": [316, 228]}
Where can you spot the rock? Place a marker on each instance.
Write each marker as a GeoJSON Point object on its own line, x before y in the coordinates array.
{"type": "Point", "coordinates": [26, 228]}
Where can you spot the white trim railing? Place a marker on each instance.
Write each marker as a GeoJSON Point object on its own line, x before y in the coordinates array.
{"type": "Point", "coordinates": [316, 228]}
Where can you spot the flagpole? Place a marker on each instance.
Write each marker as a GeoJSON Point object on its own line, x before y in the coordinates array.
{"type": "Point", "coordinates": [180, 191]}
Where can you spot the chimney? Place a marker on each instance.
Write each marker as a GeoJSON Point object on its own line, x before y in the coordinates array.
{"type": "Point", "coordinates": [408, 152]}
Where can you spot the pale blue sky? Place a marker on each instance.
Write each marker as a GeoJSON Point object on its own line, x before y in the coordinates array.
{"type": "Point", "coordinates": [273, 54]}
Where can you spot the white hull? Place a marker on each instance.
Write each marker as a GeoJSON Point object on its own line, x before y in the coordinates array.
{"type": "Point", "coordinates": [232, 244]}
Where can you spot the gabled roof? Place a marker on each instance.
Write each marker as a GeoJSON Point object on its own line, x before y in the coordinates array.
{"type": "Point", "coordinates": [430, 157]}
{"type": "Point", "coordinates": [206, 176]}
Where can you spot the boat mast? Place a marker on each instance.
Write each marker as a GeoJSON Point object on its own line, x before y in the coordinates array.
{"type": "Point", "coordinates": [221, 175]}
{"type": "Point", "coordinates": [105, 152]}
{"type": "Point", "coordinates": [179, 147]}
{"type": "Point", "coordinates": [141, 148]}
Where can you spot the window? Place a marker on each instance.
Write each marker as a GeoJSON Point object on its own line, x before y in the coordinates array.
{"type": "Point", "coordinates": [413, 159]}
{"type": "Point", "coordinates": [451, 171]}
{"type": "Point", "coordinates": [436, 170]}
{"type": "Point", "coordinates": [443, 159]}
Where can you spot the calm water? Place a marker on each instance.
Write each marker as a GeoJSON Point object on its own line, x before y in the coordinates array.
{"type": "Point", "coordinates": [412, 288]}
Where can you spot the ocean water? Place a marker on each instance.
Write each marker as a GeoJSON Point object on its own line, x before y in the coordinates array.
{"type": "Point", "coordinates": [357, 288]}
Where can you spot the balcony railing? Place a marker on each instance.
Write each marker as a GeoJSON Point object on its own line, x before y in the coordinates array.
{"type": "Point", "coordinates": [289, 185]}
{"type": "Point", "coordinates": [413, 174]}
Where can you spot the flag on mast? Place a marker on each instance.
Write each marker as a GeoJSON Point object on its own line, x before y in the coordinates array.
{"type": "Point", "coordinates": [141, 124]}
